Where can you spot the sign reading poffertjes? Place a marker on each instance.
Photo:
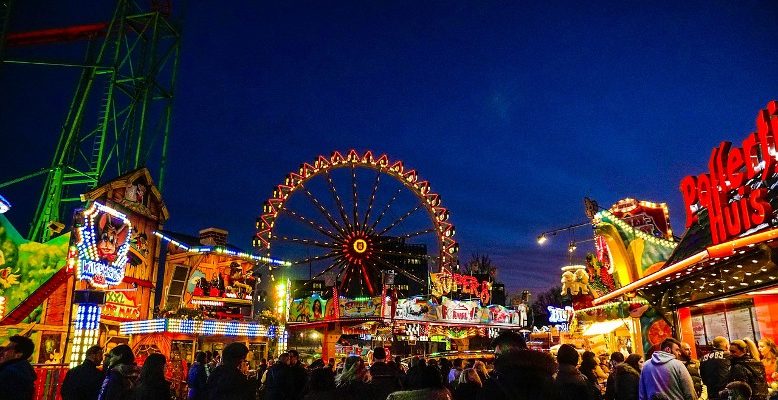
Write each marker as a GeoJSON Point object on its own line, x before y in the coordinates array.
{"type": "Point", "coordinates": [736, 191]}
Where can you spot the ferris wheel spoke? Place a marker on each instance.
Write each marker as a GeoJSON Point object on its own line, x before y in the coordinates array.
{"type": "Point", "coordinates": [337, 199]}
{"type": "Point", "coordinates": [312, 224]}
{"type": "Point", "coordinates": [355, 210]}
{"type": "Point", "coordinates": [401, 271]}
{"type": "Point", "coordinates": [385, 209]}
{"type": "Point", "coordinates": [367, 279]}
{"type": "Point", "coordinates": [346, 277]}
{"type": "Point", "coordinates": [400, 220]}
{"type": "Point", "coordinates": [308, 242]}
{"type": "Point", "coordinates": [372, 198]}
{"type": "Point", "coordinates": [417, 233]}
{"type": "Point", "coordinates": [323, 210]}
{"type": "Point", "coordinates": [317, 258]}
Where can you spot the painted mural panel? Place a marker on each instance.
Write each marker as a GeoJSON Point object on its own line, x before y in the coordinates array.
{"type": "Point", "coordinates": [26, 265]}
{"type": "Point", "coordinates": [308, 309]}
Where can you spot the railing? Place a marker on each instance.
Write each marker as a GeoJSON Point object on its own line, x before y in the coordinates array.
{"type": "Point", "coordinates": [48, 380]}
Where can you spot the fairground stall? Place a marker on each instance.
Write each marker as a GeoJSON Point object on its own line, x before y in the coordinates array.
{"type": "Point", "coordinates": [416, 325]}
{"type": "Point", "coordinates": [722, 279]}
{"type": "Point", "coordinates": [632, 239]}
{"type": "Point", "coordinates": [206, 301]}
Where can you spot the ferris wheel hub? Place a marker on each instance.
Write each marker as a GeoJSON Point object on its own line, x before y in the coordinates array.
{"type": "Point", "coordinates": [358, 247]}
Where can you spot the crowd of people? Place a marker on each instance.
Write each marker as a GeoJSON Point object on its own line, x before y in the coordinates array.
{"type": "Point", "coordinates": [737, 370]}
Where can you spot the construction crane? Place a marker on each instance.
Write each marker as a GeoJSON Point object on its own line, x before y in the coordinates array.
{"type": "Point", "coordinates": [120, 115]}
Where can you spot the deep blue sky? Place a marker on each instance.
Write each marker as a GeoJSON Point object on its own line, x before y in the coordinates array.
{"type": "Point", "coordinates": [514, 111]}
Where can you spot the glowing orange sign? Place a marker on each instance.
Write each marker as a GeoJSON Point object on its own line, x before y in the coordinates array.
{"type": "Point", "coordinates": [360, 245]}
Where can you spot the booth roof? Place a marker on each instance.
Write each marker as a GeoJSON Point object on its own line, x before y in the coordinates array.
{"type": "Point", "coordinates": [194, 241]}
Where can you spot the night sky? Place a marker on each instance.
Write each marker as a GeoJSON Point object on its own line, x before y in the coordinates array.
{"type": "Point", "coordinates": [514, 111]}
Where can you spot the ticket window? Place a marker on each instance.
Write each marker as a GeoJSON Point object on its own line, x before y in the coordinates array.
{"type": "Point", "coordinates": [734, 318]}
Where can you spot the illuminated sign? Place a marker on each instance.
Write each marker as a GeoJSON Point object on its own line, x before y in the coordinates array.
{"type": "Point", "coordinates": [735, 190]}
{"type": "Point", "coordinates": [360, 245]}
{"type": "Point", "coordinates": [102, 242]}
{"type": "Point", "coordinates": [119, 307]}
{"type": "Point", "coordinates": [445, 282]}
{"type": "Point", "coordinates": [556, 314]}
{"type": "Point", "coordinates": [560, 317]}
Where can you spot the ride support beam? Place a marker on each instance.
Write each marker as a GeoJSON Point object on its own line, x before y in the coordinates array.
{"type": "Point", "coordinates": [56, 35]}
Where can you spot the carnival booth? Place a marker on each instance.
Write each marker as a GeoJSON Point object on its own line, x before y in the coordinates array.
{"type": "Point", "coordinates": [415, 325]}
{"type": "Point", "coordinates": [632, 239]}
{"type": "Point", "coordinates": [207, 300]}
{"type": "Point", "coordinates": [722, 279]}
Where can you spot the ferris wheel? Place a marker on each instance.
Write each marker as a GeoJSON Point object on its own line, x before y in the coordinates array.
{"type": "Point", "coordinates": [353, 216]}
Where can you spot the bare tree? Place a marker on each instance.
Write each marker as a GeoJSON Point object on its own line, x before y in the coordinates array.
{"type": "Point", "coordinates": [551, 297]}
{"type": "Point", "coordinates": [481, 264]}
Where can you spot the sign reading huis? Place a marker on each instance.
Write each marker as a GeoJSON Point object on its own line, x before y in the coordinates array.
{"type": "Point", "coordinates": [737, 190]}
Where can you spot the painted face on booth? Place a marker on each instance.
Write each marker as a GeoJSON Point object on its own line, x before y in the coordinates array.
{"type": "Point", "coordinates": [106, 247]}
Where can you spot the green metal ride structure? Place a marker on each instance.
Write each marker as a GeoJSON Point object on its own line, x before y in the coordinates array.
{"type": "Point", "coordinates": [119, 118]}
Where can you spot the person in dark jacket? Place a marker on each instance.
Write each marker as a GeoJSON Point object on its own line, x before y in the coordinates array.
{"type": "Point", "coordinates": [17, 378]}
{"type": "Point", "coordinates": [570, 383]}
{"type": "Point", "coordinates": [152, 384]}
{"type": "Point", "coordinates": [277, 384]}
{"type": "Point", "coordinates": [624, 379]}
{"type": "Point", "coordinates": [714, 367]}
{"type": "Point", "coordinates": [519, 374]}
{"type": "Point", "coordinates": [385, 378]}
{"type": "Point", "coordinates": [744, 368]}
{"type": "Point", "coordinates": [197, 378]}
{"type": "Point", "coordinates": [121, 375]}
{"type": "Point", "coordinates": [693, 366]}
{"type": "Point", "coordinates": [227, 382]}
{"type": "Point", "coordinates": [298, 376]}
{"type": "Point", "coordinates": [321, 386]}
{"type": "Point", "coordinates": [84, 381]}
